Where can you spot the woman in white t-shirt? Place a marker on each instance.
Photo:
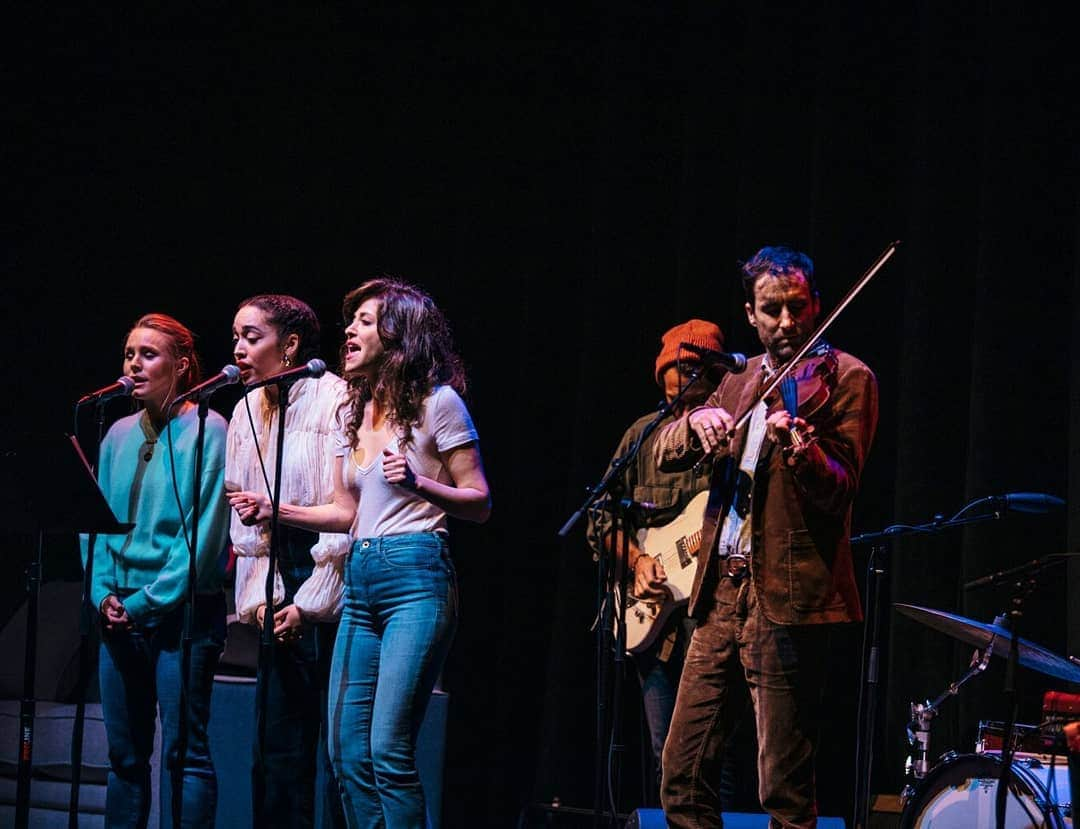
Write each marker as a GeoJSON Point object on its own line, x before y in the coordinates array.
{"type": "Point", "coordinates": [407, 458]}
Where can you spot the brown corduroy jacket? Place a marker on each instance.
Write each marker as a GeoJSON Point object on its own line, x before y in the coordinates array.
{"type": "Point", "coordinates": [801, 562]}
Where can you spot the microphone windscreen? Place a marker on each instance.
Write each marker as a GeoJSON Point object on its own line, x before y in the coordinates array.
{"type": "Point", "coordinates": [1032, 502]}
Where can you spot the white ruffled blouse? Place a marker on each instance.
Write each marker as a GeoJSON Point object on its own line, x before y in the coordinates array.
{"type": "Point", "coordinates": [306, 480]}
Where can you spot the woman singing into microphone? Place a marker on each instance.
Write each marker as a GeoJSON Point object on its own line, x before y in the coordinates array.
{"type": "Point", "coordinates": [139, 584]}
{"type": "Point", "coordinates": [407, 460]}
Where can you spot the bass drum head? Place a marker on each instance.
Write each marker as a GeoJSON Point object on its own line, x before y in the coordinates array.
{"type": "Point", "coordinates": [961, 793]}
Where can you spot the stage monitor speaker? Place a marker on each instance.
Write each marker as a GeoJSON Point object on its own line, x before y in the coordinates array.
{"type": "Point", "coordinates": [232, 741]}
{"type": "Point", "coordinates": [654, 819]}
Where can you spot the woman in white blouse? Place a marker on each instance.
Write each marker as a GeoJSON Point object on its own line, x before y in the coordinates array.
{"type": "Point", "coordinates": [272, 332]}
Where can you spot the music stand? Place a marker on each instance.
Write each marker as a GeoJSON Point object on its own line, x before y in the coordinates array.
{"type": "Point", "coordinates": [48, 488]}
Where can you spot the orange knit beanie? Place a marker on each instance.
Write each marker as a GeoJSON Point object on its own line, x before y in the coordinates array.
{"type": "Point", "coordinates": [697, 332]}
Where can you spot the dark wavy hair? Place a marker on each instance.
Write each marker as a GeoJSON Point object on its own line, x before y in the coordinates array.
{"type": "Point", "coordinates": [289, 315]}
{"type": "Point", "coordinates": [181, 344]}
{"type": "Point", "coordinates": [419, 354]}
{"type": "Point", "coordinates": [776, 260]}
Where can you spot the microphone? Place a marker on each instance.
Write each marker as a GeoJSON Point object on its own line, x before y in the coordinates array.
{"type": "Point", "coordinates": [734, 362]}
{"type": "Point", "coordinates": [1037, 503]}
{"type": "Point", "coordinates": [312, 368]}
{"type": "Point", "coordinates": [121, 388]}
{"type": "Point", "coordinates": [1032, 567]}
{"type": "Point", "coordinates": [227, 376]}
{"type": "Point", "coordinates": [628, 504]}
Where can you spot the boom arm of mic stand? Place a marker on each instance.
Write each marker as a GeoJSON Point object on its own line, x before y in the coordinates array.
{"type": "Point", "coordinates": [934, 526]}
{"type": "Point", "coordinates": [617, 467]}
{"type": "Point", "coordinates": [1030, 568]}
{"type": "Point", "coordinates": [86, 623]}
{"type": "Point", "coordinates": [869, 686]}
{"type": "Point", "coordinates": [266, 640]}
{"type": "Point", "coordinates": [177, 777]}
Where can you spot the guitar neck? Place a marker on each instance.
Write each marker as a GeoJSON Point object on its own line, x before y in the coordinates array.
{"type": "Point", "coordinates": [679, 539]}
{"type": "Point", "coordinates": [692, 542]}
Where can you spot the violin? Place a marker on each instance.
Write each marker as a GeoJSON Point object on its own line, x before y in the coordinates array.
{"type": "Point", "coordinates": [804, 390]}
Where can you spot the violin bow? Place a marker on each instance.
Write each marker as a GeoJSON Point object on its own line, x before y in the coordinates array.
{"type": "Point", "coordinates": [812, 340]}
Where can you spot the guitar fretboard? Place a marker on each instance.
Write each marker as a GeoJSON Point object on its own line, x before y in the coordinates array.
{"type": "Point", "coordinates": [685, 549]}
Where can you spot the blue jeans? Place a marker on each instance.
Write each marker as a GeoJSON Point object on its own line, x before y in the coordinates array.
{"type": "Point", "coordinates": [395, 632]}
{"type": "Point", "coordinates": [659, 680]}
{"type": "Point", "coordinates": [140, 671]}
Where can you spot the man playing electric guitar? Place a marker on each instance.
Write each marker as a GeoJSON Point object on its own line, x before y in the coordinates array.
{"type": "Point", "coordinates": [662, 626]}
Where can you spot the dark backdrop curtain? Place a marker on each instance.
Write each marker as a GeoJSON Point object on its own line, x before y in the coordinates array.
{"type": "Point", "coordinates": [568, 186]}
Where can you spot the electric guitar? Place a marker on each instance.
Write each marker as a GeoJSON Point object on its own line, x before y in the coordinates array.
{"type": "Point", "coordinates": [675, 545]}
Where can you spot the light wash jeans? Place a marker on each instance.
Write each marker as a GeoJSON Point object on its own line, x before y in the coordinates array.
{"type": "Point", "coordinates": [139, 672]}
{"type": "Point", "coordinates": [396, 629]}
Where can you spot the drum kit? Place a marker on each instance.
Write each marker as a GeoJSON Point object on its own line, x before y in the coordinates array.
{"type": "Point", "coordinates": [960, 789]}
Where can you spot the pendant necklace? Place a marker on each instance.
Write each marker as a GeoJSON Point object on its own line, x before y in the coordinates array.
{"type": "Point", "coordinates": [151, 436]}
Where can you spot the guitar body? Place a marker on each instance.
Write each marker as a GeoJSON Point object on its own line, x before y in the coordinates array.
{"type": "Point", "coordinates": [675, 545]}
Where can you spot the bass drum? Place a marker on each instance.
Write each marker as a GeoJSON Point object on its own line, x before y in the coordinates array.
{"type": "Point", "coordinates": [960, 793]}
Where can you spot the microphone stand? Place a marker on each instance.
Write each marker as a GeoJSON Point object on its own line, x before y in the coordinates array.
{"type": "Point", "coordinates": [266, 649]}
{"type": "Point", "coordinates": [1023, 587]}
{"type": "Point", "coordinates": [189, 613]}
{"type": "Point", "coordinates": [876, 575]}
{"type": "Point", "coordinates": [86, 623]}
{"type": "Point", "coordinates": [612, 572]}
{"type": "Point", "coordinates": [75, 504]}
{"type": "Point", "coordinates": [610, 576]}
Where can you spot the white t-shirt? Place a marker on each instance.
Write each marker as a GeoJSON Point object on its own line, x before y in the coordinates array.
{"type": "Point", "coordinates": [390, 509]}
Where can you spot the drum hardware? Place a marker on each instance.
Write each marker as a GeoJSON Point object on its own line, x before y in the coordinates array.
{"type": "Point", "coordinates": [877, 569]}
{"type": "Point", "coordinates": [1036, 741]}
{"type": "Point", "coordinates": [1017, 651]}
{"type": "Point", "coordinates": [1052, 773]}
{"type": "Point", "coordinates": [960, 791]}
{"type": "Point", "coordinates": [1038, 749]}
{"type": "Point", "coordinates": [916, 765]}
{"type": "Point", "coordinates": [1059, 708]}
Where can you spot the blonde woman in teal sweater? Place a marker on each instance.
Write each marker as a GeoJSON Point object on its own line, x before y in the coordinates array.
{"type": "Point", "coordinates": [139, 584]}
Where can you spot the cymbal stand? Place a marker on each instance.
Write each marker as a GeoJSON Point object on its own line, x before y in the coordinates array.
{"type": "Point", "coordinates": [917, 764]}
{"type": "Point", "coordinates": [1023, 588]}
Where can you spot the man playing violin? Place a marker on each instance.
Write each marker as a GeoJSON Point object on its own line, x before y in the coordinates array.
{"type": "Point", "coordinates": [776, 569]}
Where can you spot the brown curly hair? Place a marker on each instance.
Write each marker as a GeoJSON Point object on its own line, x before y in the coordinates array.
{"type": "Point", "coordinates": [419, 354]}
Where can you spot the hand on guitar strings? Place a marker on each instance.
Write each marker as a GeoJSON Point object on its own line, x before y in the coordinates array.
{"type": "Point", "coordinates": [649, 578]}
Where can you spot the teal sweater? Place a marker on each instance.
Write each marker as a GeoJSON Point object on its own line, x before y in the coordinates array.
{"type": "Point", "coordinates": [148, 567]}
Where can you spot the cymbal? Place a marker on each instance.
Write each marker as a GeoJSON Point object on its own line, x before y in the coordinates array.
{"type": "Point", "coordinates": [981, 635]}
